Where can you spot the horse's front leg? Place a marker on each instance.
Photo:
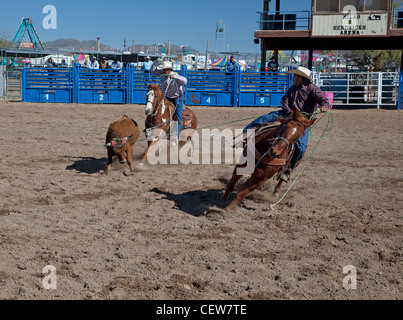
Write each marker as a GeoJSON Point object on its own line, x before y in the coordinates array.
{"type": "Point", "coordinates": [277, 189]}
{"type": "Point", "coordinates": [150, 145]}
{"type": "Point", "coordinates": [231, 185]}
{"type": "Point", "coordinates": [255, 181]}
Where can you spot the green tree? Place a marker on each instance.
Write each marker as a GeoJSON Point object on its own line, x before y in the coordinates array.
{"type": "Point", "coordinates": [5, 41]}
{"type": "Point", "coordinates": [380, 59]}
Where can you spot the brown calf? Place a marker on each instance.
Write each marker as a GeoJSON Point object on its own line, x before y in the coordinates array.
{"type": "Point", "coordinates": [120, 138]}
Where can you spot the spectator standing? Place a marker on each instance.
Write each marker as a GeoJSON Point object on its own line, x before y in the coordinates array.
{"type": "Point", "coordinates": [273, 65]}
{"type": "Point", "coordinates": [147, 64]}
{"type": "Point", "coordinates": [50, 63]}
{"type": "Point", "coordinates": [230, 65]}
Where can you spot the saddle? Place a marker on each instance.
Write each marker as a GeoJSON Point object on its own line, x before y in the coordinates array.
{"type": "Point", "coordinates": [261, 131]}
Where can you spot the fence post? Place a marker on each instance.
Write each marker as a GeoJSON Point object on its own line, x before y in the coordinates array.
{"type": "Point", "coordinates": [23, 82]}
{"type": "Point", "coordinates": [380, 89]}
{"type": "Point", "coordinates": [400, 93]}
{"type": "Point", "coordinates": [76, 80]}
{"type": "Point", "coordinates": [183, 72]}
{"type": "Point", "coordinates": [129, 82]}
{"type": "Point", "coordinates": [237, 86]}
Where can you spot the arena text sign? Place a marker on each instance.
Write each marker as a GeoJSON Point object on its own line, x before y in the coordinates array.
{"type": "Point", "coordinates": [350, 23]}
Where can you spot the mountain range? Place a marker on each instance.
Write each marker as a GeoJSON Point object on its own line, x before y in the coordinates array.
{"type": "Point", "coordinates": [92, 45]}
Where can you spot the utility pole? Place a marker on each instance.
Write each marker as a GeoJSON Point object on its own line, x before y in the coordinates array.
{"type": "Point", "coordinates": [263, 42]}
{"type": "Point", "coordinates": [99, 44]}
{"type": "Point", "coordinates": [133, 49]}
{"type": "Point", "coordinates": [277, 15]}
{"type": "Point", "coordinates": [169, 48]}
{"type": "Point", "coordinates": [205, 60]}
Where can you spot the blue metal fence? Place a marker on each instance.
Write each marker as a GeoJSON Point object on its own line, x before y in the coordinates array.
{"type": "Point", "coordinates": [47, 85]}
{"type": "Point", "coordinates": [235, 89]}
{"type": "Point", "coordinates": [262, 88]}
{"type": "Point", "coordinates": [137, 84]}
{"type": "Point", "coordinates": [215, 88]}
{"type": "Point", "coordinates": [101, 86]}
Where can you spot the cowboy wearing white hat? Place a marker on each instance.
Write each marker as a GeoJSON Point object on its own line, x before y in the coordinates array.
{"type": "Point", "coordinates": [304, 96]}
{"type": "Point", "coordinates": [301, 71]}
{"type": "Point", "coordinates": [173, 91]}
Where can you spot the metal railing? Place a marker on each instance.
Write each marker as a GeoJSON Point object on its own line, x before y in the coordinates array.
{"type": "Point", "coordinates": [13, 84]}
{"type": "Point", "coordinates": [360, 88]}
{"type": "Point", "coordinates": [284, 20]}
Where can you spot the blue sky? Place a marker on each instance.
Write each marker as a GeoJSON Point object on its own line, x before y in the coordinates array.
{"type": "Point", "coordinates": [183, 22]}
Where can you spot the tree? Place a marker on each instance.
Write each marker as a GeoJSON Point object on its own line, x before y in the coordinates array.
{"type": "Point", "coordinates": [5, 41]}
{"type": "Point", "coordinates": [379, 59]}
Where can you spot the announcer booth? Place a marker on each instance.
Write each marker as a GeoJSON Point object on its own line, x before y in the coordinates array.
{"type": "Point", "coordinates": [330, 25]}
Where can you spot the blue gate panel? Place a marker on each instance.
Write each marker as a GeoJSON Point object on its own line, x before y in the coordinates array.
{"type": "Point", "coordinates": [102, 86]}
{"type": "Point", "coordinates": [210, 88]}
{"type": "Point", "coordinates": [47, 85]}
{"type": "Point", "coordinates": [262, 89]}
{"type": "Point", "coordinates": [138, 85]}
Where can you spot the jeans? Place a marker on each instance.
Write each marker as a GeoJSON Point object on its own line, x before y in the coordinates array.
{"type": "Point", "coordinates": [178, 103]}
{"type": "Point", "coordinates": [300, 144]}
{"type": "Point", "coordinates": [270, 117]}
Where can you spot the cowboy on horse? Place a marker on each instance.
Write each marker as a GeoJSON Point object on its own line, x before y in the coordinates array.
{"type": "Point", "coordinates": [304, 96]}
{"type": "Point", "coordinates": [172, 93]}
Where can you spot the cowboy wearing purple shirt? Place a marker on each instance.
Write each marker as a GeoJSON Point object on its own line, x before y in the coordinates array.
{"type": "Point", "coordinates": [305, 97]}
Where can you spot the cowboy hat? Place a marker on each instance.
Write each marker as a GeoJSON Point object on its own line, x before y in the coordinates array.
{"type": "Point", "coordinates": [167, 65]}
{"type": "Point", "coordinates": [301, 71]}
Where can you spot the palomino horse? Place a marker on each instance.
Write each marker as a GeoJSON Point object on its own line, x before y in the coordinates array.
{"type": "Point", "coordinates": [273, 150]}
{"type": "Point", "coordinates": [160, 113]}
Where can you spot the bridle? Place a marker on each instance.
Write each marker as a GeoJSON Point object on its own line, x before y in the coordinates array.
{"type": "Point", "coordinates": [288, 146]}
{"type": "Point", "coordinates": [156, 108]}
{"type": "Point", "coordinates": [280, 138]}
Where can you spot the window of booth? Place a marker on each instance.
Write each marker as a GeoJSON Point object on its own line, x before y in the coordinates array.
{"type": "Point", "coordinates": [381, 5]}
{"type": "Point", "coordinates": [360, 5]}
{"type": "Point", "coordinates": [327, 6]}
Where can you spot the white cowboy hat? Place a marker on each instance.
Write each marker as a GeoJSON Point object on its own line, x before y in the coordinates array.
{"type": "Point", "coordinates": [167, 65]}
{"type": "Point", "coordinates": [301, 71]}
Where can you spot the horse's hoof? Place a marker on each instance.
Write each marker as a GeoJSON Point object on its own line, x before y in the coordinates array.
{"type": "Point", "coordinates": [211, 211]}
{"type": "Point", "coordinates": [275, 195]}
{"type": "Point", "coordinates": [139, 167]}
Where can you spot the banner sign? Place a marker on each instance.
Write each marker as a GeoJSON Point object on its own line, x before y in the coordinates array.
{"type": "Point", "coordinates": [350, 24]}
{"type": "Point", "coordinates": [27, 45]}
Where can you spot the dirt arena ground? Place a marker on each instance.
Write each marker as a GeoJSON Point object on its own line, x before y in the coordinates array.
{"type": "Point", "coordinates": [145, 235]}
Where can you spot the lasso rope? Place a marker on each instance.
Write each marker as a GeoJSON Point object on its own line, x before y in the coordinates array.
{"type": "Point", "coordinates": [327, 130]}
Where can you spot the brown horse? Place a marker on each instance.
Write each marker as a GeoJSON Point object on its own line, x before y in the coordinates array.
{"type": "Point", "coordinates": [160, 111]}
{"type": "Point", "coordinates": [273, 150]}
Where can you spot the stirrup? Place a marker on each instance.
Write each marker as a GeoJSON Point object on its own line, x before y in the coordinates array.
{"type": "Point", "coordinates": [286, 175]}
